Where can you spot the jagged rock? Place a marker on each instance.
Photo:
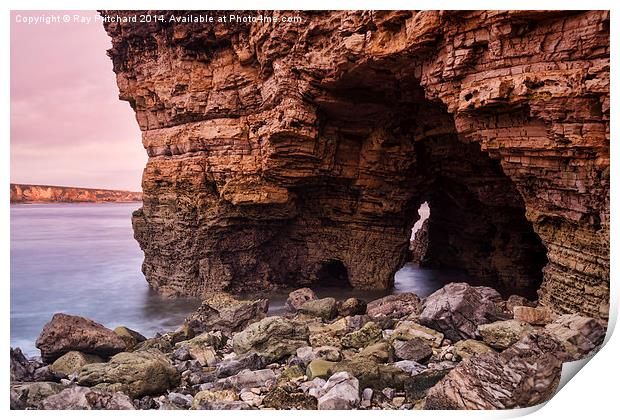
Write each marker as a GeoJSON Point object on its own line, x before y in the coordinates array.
{"type": "Point", "coordinates": [281, 399]}
{"type": "Point", "coordinates": [457, 309]}
{"type": "Point", "coordinates": [229, 367]}
{"type": "Point", "coordinates": [129, 336]}
{"type": "Point", "coordinates": [225, 313]}
{"type": "Point", "coordinates": [272, 338]}
{"type": "Point", "coordinates": [341, 392]}
{"type": "Point", "coordinates": [223, 405]}
{"type": "Point", "coordinates": [65, 333]}
{"type": "Point", "coordinates": [248, 379]}
{"type": "Point", "coordinates": [578, 334]}
{"type": "Point", "coordinates": [524, 375]}
{"type": "Point", "coordinates": [408, 330]}
{"type": "Point", "coordinates": [81, 398]}
{"type": "Point", "coordinates": [319, 369]}
{"type": "Point", "coordinates": [298, 297]}
{"type": "Point", "coordinates": [395, 306]}
{"type": "Point", "coordinates": [322, 308]}
{"type": "Point", "coordinates": [30, 394]}
{"type": "Point", "coordinates": [351, 307]}
{"type": "Point", "coordinates": [144, 372]}
{"type": "Point", "coordinates": [503, 334]}
{"type": "Point", "coordinates": [534, 316]}
{"type": "Point", "coordinates": [415, 349]}
{"type": "Point", "coordinates": [370, 333]}
{"type": "Point", "coordinates": [22, 369]}
{"type": "Point", "coordinates": [465, 349]}
{"type": "Point", "coordinates": [72, 362]}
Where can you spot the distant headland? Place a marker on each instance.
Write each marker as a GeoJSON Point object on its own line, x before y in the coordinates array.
{"type": "Point", "coordinates": [28, 193]}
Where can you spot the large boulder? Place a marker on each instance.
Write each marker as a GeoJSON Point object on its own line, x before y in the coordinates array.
{"type": "Point", "coordinates": [65, 333]}
{"type": "Point", "coordinates": [226, 313]}
{"type": "Point", "coordinates": [30, 394]}
{"type": "Point", "coordinates": [72, 362]}
{"type": "Point", "coordinates": [395, 306]}
{"type": "Point", "coordinates": [503, 334]}
{"type": "Point", "coordinates": [321, 308]}
{"type": "Point", "coordinates": [580, 335]}
{"type": "Point", "coordinates": [81, 398]}
{"type": "Point", "coordinates": [341, 392]}
{"type": "Point", "coordinates": [272, 338]}
{"type": "Point", "coordinates": [457, 310]}
{"type": "Point", "coordinates": [144, 372]}
{"type": "Point", "coordinates": [524, 375]}
{"type": "Point", "coordinates": [298, 297]}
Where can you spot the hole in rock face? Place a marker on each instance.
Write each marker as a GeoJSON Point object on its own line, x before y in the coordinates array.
{"type": "Point", "coordinates": [333, 273]}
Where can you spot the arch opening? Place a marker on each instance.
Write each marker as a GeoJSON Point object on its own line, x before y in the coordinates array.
{"type": "Point", "coordinates": [333, 273]}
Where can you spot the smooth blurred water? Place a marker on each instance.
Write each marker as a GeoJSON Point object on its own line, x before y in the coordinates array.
{"type": "Point", "coordinates": [82, 259]}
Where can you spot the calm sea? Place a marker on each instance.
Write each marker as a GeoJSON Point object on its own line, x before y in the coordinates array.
{"type": "Point", "coordinates": [82, 259]}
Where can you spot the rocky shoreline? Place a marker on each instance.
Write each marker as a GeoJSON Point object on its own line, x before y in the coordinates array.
{"type": "Point", "coordinates": [462, 347]}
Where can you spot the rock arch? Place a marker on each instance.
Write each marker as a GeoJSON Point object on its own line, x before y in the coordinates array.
{"type": "Point", "coordinates": [272, 148]}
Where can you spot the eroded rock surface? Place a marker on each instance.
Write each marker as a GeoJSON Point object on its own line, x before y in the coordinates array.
{"type": "Point", "coordinates": [299, 153]}
{"type": "Point", "coordinates": [65, 333]}
{"type": "Point", "coordinates": [524, 375]}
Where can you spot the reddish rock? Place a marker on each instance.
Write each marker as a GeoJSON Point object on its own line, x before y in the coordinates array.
{"type": "Point", "coordinates": [457, 310]}
{"type": "Point", "coordinates": [25, 193]}
{"type": "Point", "coordinates": [277, 151]}
{"type": "Point", "coordinates": [524, 375]}
{"type": "Point", "coordinates": [534, 316]}
{"type": "Point", "coordinates": [395, 306]}
{"type": "Point", "coordinates": [65, 333]}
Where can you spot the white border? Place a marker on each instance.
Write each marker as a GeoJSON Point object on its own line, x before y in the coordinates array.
{"type": "Point", "coordinates": [592, 395]}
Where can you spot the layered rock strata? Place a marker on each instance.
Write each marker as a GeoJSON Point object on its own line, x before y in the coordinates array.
{"type": "Point", "coordinates": [299, 153]}
{"type": "Point", "coordinates": [26, 193]}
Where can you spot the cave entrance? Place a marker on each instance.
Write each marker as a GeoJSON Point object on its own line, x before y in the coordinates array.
{"type": "Point", "coordinates": [333, 273]}
{"type": "Point", "coordinates": [392, 152]}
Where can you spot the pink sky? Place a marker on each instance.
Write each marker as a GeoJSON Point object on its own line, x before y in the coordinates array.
{"type": "Point", "coordinates": [68, 126]}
